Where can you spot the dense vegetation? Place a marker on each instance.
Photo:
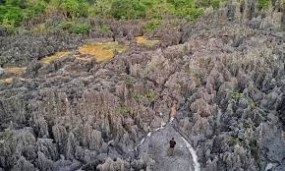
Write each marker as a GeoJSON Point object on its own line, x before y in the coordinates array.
{"type": "Point", "coordinates": [14, 13]}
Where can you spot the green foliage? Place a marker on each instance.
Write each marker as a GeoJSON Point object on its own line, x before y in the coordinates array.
{"type": "Point", "coordinates": [127, 9]}
{"type": "Point", "coordinates": [105, 28]}
{"type": "Point", "coordinates": [152, 25]}
{"type": "Point", "coordinates": [122, 110]}
{"type": "Point", "coordinates": [102, 8]}
{"type": "Point", "coordinates": [71, 8]}
{"type": "Point", "coordinates": [138, 96]}
{"type": "Point", "coordinates": [152, 95]}
{"type": "Point", "coordinates": [33, 8]}
{"type": "Point", "coordinates": [264, 4]}
{"type": "Point", "coordinates": [207, 3]}
{"type": "Point", "coordinates": [80, 28]}
{"type": "Point", "coordinates": [13, 12]}
{"type": "Point", "coordinates": [215, 4]}
{"type": "Point", "coordinates": [10, 15]}
{"type": "Point", "coordinates": [73, 27]}
{"type": "Point", "coordinates": [186, 8]}
{"type": "Point", "coordinates": [157, 9]}
{"type": "Point", "coordinates": [236, 95]}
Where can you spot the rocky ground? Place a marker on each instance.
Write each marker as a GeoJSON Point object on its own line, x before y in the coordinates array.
{"type": "Point", "coordinates": [228, 80]}
{"type": "Point", "coordinates": [156, 147]}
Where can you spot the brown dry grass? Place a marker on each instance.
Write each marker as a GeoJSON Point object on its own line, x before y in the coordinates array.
{"type": "Point", "coordinates": [54, 57]}
{"type": "Point", "coordinates": [102, 51]}
{"type": "Point", "coordinates": [9, 80]}
{"type": "Point", "coordinates": [15, 70]}
{"type": "Point", "coordinates": [143, 40]}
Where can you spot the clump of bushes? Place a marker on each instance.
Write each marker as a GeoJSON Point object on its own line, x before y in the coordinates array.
{"type": "Point", "coordinates": [14, 12]}
{"type": "Point", "coordinates": [151, 25]}
{"type": "Point", "coordinates": [73, 27]}
{"type": "Point", "coordinates": [264, 4]}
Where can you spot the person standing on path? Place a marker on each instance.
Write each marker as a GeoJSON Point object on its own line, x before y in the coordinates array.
{"type": "Point", "coordinates": [172, 144]}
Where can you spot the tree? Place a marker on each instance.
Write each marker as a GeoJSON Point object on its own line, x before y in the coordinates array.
{"type": "Point", "coordinates": [103, 7]}
{"type": "Point", "coordinates": [158, 9]}
{"type": "Point", "coordinates": [13, 15]}
{"type": "Point", "coordinates": [70, 8]}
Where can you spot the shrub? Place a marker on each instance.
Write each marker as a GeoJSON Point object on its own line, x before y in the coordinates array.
{"type": "Point", "coordinates": [122, 110]}
{"type": "Point", "coordinates": [264, 4]}
{"type": "Point", "coordinates": [72, 27]}
{"type": "Point", "coordinates": [102, 8]}
{"type": "Point", "coordinates": [152, 25]}
{"type": "Point", "coordinates": [71, 8]}
{"type": "Point", "coordinates": [158, 9]}
{"type": "Point", "coordinates": [138, 96]}
{"type": "Point", "coordinates": [11, 15]}
{"type": "Point", "coordinates": [152, 95]}
{"type": "Point", "coordinates": [34, 8]}
{"type": "Point", "coordinates": [208, 3]}
{"type": "Point", "coordinates": [105, 28]}
{"type": "Point", "coordinates": [186, 8]}
{"type": "Point", "coordinates": [127, 9]}
{"type": "Point", "coordinates": [80, 28]}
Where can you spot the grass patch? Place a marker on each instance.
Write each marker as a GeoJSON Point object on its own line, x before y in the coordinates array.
{"type": "Point", "coordinates": [122, 110]}
{"type": "Point", "coordinates": [138, 96]}
{"type": "Point", "coordinates": [151, 96]}
{"type": "Point", "coordinates": [147, 42]}
{"type": "Point", "coordinates": [125, 111]}
{"type": "Point", "coordinates": [103, 51]}
{"type": "Point", "coordinates": [54, 57]}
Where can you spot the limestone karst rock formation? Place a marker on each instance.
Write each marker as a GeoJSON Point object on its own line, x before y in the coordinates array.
{"type": "Point", "coordinates": [227, 77]}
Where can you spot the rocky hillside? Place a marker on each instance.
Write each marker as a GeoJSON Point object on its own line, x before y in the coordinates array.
{"type": "Point", "coordinates": [225, 71]}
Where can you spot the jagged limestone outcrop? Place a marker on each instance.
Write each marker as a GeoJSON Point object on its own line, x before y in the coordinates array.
{"type": "Point", "coordinates": [227, 79]}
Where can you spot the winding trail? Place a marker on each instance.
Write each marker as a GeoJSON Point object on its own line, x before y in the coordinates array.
{"type": "Point", "coordinates": [156, 144]}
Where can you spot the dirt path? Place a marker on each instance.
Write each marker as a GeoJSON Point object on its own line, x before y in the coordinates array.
{"type": "Point", "coordinates": [156, 144]}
